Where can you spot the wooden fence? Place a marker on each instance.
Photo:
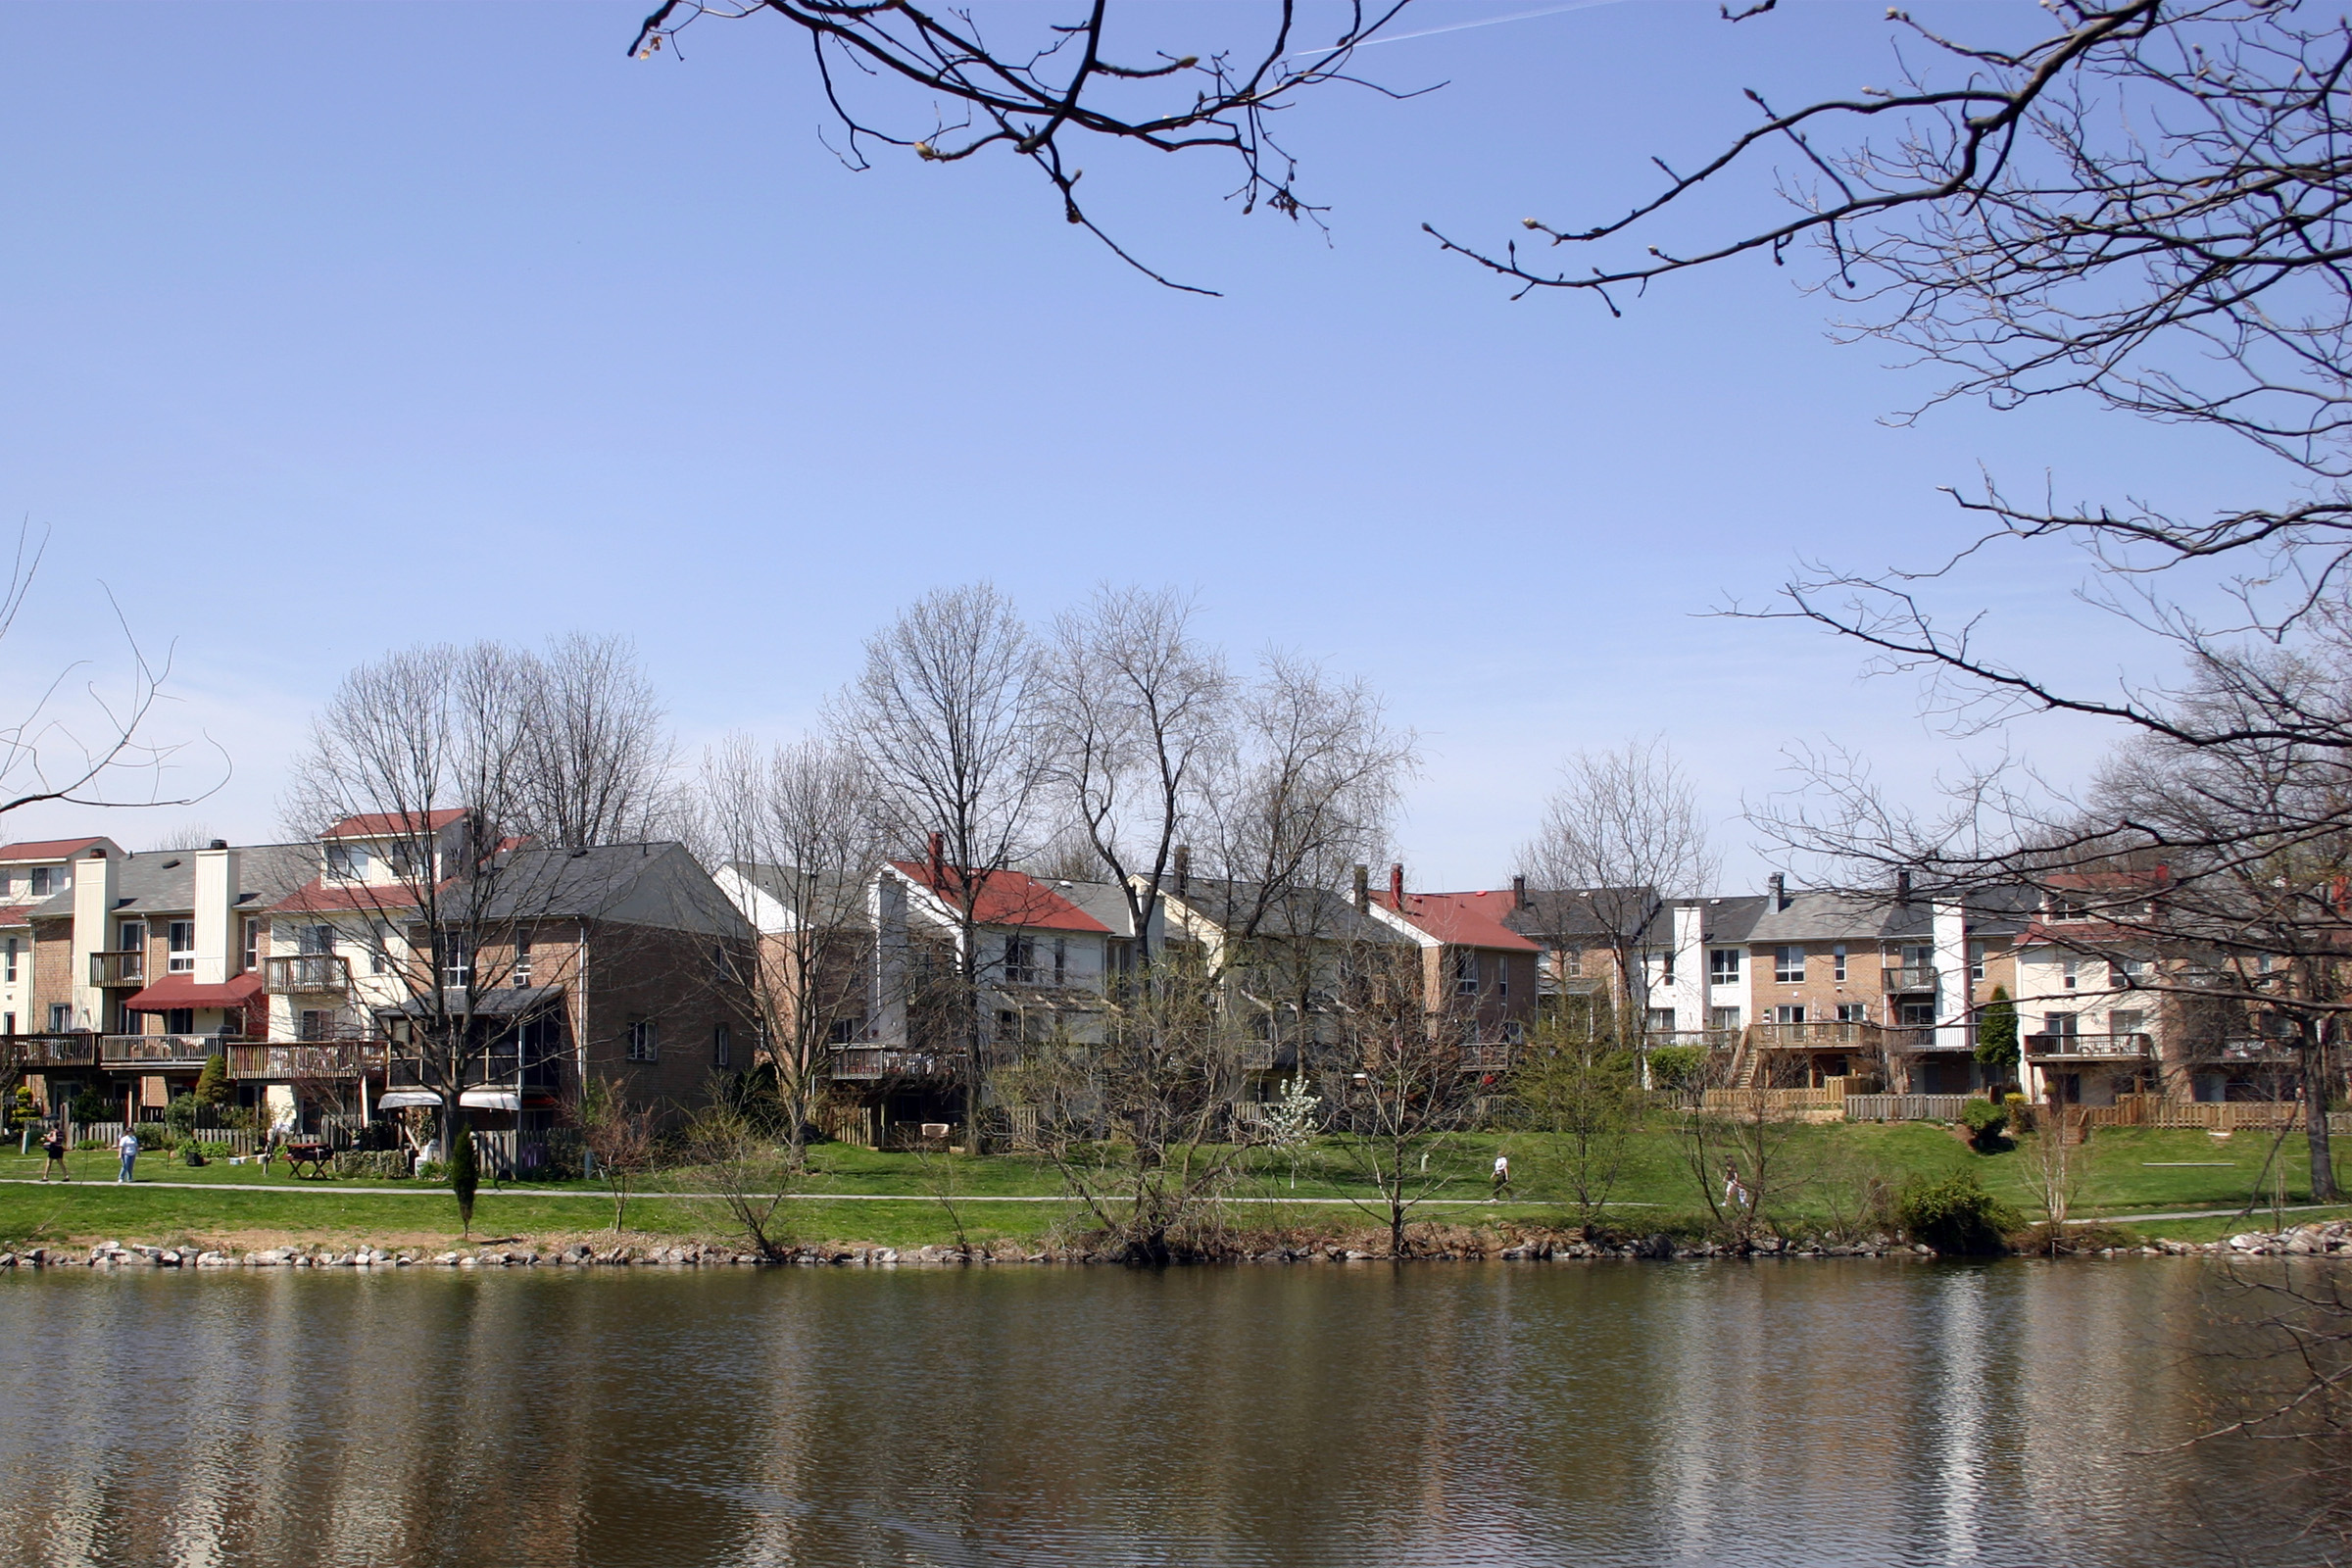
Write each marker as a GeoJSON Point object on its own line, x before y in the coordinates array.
{"type": "Point", "coordinates": [1773, 1102]}
{"type": "Point", "coordinates": [1906, 1107]}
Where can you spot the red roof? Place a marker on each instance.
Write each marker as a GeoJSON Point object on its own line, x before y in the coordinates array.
{"type": "Point", "coordinates": [15, 915]}
{"type": "Point", "coordinates": [182, 991]}
{"type": "Point", "coordinates": [46, 849]}
{"type": "Point", "coordinates": [1008, 897]}
{"type": "Point", "coordinates": [319, 896]}
{"type": "Point", "coordinates": [382, 824]}
{"type": "Point", "coordinates": [1463, 919]}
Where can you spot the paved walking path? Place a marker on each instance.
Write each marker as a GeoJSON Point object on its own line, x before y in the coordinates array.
{"type": "Point", "coordinates": [2197, 1213]}
{"type": "Point", "coordinates": [330, 1188]}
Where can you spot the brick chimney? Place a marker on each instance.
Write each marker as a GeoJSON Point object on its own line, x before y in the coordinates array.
{"type": "Point", "coordinates": [1396, 888]}
{"type": "Point", "coordinates": [1183, 869]}
{"type": "Point", "coordinates": [939, 862]}
{"type": "Point", "coordinates": [1780, 891]}
{"type": "Point", "coordinates": [1519, 892]}
{"type": "Point", "coordinates": [1363, 888]}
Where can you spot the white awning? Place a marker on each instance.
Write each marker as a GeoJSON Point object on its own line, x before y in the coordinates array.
{"type": "Point", "coordinates": [405, 1099]}
{"type": "Point", "coordinates": [491, 1100]}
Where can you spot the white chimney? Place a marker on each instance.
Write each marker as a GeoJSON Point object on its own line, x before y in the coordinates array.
{"type": "Point", "coordinates": [1953, 991]}
{"type": "Point", "coordinates": [886, 1006]}
{"type": "Point", "coordinates": [217, 948]}
{"type": "Point", "coordinates": [95, 898]}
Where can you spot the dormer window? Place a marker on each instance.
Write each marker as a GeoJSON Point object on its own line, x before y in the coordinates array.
{"type": "Point", "coordinates": [2068, 908]}
{"type": "Point", "coordinates": [346, 863]}
{"type": "Point", "coordinates": [42, 882]}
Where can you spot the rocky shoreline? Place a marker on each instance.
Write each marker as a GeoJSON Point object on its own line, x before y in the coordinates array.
{"type": "Point", "coordinates": [2317, 1239]}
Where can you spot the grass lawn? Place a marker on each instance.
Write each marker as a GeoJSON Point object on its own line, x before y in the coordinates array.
{"type": "Point", "coordinates": [1822, 1170]}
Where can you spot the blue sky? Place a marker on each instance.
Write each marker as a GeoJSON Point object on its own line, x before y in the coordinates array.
{"type": "Point", "coordinates": [341, 327]}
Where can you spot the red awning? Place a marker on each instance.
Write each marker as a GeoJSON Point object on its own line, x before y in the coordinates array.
{"type": "Point", "coordinates": [182, 991]}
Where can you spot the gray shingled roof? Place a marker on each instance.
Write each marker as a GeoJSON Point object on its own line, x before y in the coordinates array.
{"type": "Point", "coordinates": [163, 881]}
{"type": "Point", "coordinates": [841, 901]}
{"type": "Point", "coordinates": [1583, 914]}
{"type": "Point", "coordinates": [1296, 911]}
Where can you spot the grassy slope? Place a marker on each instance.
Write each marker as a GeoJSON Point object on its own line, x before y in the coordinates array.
{"type": "Point", "coordinates": [2122, 1171]}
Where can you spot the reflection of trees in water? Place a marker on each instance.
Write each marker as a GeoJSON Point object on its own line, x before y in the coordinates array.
{"type": "Point", "coordinates": [1307, 1414]}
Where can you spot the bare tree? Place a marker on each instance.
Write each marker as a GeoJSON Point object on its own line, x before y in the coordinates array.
{"type": "Point", "coordinates": [1138, 1122]}
{"type": "Point", "coordinates": [796, 824]}
{"type": "Point", "coordinates": [1625, 835]}
{"type": "Point", "coordinates": [751, 1175]}
{"type": "Point", "coordinates": [619, 1132]}
{"type": "Point", "coordinates": [1045, 82]}
{"type": "Point", "coordinates": [946, 714]}
{"type": "Point", "coordinates": [1400, 1087]}
{"type": "Point", "coordinates": [1139, 715]}
{"type": "Point", "coordinates": [598, 761]}
{"type": "Point", "coordinates": [103, 755]}
{"type": "Point", "coordinates": [1586, 1102]}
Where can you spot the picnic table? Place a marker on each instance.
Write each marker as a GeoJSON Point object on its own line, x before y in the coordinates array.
{"type": "Point", "coordinates": [299, 1153]}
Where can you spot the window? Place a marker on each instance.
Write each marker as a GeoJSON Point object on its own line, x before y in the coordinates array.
{"type": "Point", "coordinates": [1789, 965]}
{"type": "Point", "coordinates": [1061, 961]}
{"type": "Point", "coordinates": [180, 937]}
{"type": "Point", "coordinates": [1976, 960]}
{"type": "Point", "coordinates": [1853, 1013]}
{"type": "Point", "coordinates": [315, 1023]}
{"type": "Point", "coordinates": [1503, 979]}
{"type": "Point", "coordinates": [842, 1032]}
{"type": "Point", "coordinates": [643, 1041]}
{"type": "Point", "coordinates": [1571, 963]}
{"type": "Point", "coordinates": [315, 941]}
{"type": "Point", "coordinates": [11, 964]}
{"type": "Point", "coordinates": [180, 1021]}
{"type": "Point", "coordinates": [1465, 972]}
{"type": "Point", "coordinates": [722, 1045]}
{"type": "Point", "coordinates": [2062, 1024]}
{"type": "Point", "coordinates": [379, 960]}
{"type": "Point", "coordinates": [8, 1023]}
{"type": "Point", "coordinates": [61, 1017]}
{"type": "Point", "coordinates": [1789, 1013]}
{"type": "Point", "coordinates": [41, 878]}
{"type": "Point", "coordinates": [1723, 966]}
{"type": "Point", "coordinates": [456, 963]}
{"type": "Point", "coordinates": [134, 936]}
{"type": "Point", "coordinates": [1916, 1014]}
{"type": "Point", "coordinates": [1724, 1018]}
{"type": "Point", "coordinates": [2127, 1021]}
{"type": "Point", "coordinates": [522, 969]}
{"type": "Point", "coordinates": [2068, 908]}
{"type": "Point", "coordinates": [253, 943]}
{"type": "Point", "coordinates": [1661, 1020]}
{"type": "Point", "coordinates": [1838, 962]}
{"type": "Point", "coordinates": [345, 863]}
{"type": "Point", "coordinates": [1919, 955]}
{"type": "Point", "coordinates": [2068, 973]}
{"type": "Point", "coordinates": [1020, 960]}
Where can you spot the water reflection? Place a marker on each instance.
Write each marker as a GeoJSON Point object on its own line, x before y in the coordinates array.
{"type": "Point", "coordinates": [1806, 1414]}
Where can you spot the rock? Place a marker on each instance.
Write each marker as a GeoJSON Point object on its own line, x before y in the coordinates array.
{"type": "Point", "coordinates": [447, 1260]}
{"type": "Point", "coordinates": [469, 1261]}
{"type": "Point", "coordinates": [2246, 1242]}
{"type": "Point", "coordinates": [886, 1254]}
{"type": "Point", "coordinates": [213, 1260]}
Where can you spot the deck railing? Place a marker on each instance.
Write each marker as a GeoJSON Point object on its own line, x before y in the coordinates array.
{"type": "Point", "coordinates": [1907, 1108]}
{"type": "Point", "coordinates": [354, 1058]}
{"type": "Point", "coordinates": [159, 1051]}
{"type": "Point", "coordinates": [1910, 977]}
{"type": "Point", "coordinates": [1827, 1034]}
{"type": "Point", "coordinates": [2086, 1045]}
{"type": "Point", "coordinates": [306, 974]}
{"type": "Point", "coordinates": [887, 1061]}
{"type": "Point", "coordinates": [119, 968]}
{"type": "Point", "coordinates": [36, 1053]}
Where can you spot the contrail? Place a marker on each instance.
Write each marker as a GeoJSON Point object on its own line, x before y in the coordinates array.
{"type": "Point", "coordinates": [1464, 26]}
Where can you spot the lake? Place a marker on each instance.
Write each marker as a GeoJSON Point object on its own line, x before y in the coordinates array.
{"type": "Point", "coordinates": [1802, 1412]}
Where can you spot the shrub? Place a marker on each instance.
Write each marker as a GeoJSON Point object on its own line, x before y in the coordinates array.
{"type": "Point", "coordinates": [432, 1170]}
{"type": "Point", "coordinates": [191, 1154]}
{"type": "Point", "coordinates": [211, 1084]}
{"type": "Point", "coordinates": [1986, 1122]}
{"type": "Point", "coordinates": [1678, 1066]}
{"type": "Point", "coordinates": [1956, 1216]}
{"type": "Point", "coordinates": [380, 1164]}
{"type": "Point", "coordinates": [180, 1116]}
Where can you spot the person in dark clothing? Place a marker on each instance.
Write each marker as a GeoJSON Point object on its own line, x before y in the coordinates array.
{"type": "Point", "coordinates": [53, 1145]}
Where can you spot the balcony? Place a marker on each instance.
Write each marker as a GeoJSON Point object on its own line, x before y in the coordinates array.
{"type": "Point", "coordinates": [1486, 1059]}
{"type": "Point", "coordinates": [1703, 1038]}
{"type": "Point", "coordinates": [338, 1058]}
{"type": "Point", "coordinates": [2074, 1047]}
{"type": "Point", "coordinates": [1832, 1035]}
{"type": "Point", "coordinates": [2250, 1048]}
{"type": "Point", "coordinates": [1910, 977]}
{"type": "Point", "coordinates": [119, 968]}
{"type": "Point", "coordinates": [306, 974]}
{"type": "Point", "coordinates": [38, 1053]}
{"type": "Point", "coordinates": [1909, 1040]}
{"type": "Point", "coordinates": [158, 1052]}
{"type": "Point", "coordinates": [866, 1064]}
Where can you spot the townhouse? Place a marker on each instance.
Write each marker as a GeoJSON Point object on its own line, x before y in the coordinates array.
{"type": "Point", "coordinates": [1590, 942]}
{"type": "Point", "coordinates": [1477, 972]}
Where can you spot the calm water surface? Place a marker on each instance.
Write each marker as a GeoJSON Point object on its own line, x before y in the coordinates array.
{"type": "Point", "coordinates": [1799, 1413]}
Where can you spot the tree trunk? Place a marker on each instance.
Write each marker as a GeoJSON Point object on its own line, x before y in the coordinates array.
{"type": "Point", "coordinates": [2315, 1114]}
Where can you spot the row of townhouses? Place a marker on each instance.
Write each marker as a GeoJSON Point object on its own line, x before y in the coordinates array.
{"type": "Point", "coordinates": [299, 965]}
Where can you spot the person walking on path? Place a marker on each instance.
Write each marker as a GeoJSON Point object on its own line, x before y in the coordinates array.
{"type": "Point", "coordinates": [1733, 1195]}
{"type": "Point", "coordinates": [53, 1145]}
{"type": "Point", "coordinates": [1503, 1174]}
{"type": "Point", "coordinates": [129, 1145]}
